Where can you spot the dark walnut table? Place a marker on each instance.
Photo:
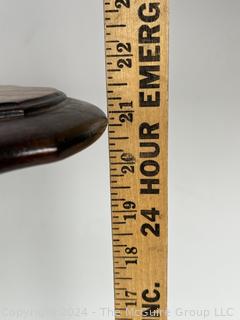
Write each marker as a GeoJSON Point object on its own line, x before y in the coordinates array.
{"type": "Point", "coordinates": [42, 125]}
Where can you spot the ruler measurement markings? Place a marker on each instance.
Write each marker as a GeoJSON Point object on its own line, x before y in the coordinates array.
{"type": "Point", "coordinates": [112, 41]}
{"type": "Point", "coordinates": [121, 111]}
{"type": "Point", "coordinates": [111, 11]}
{"type": "Point", "coordinates": [121, 163]}
{"type": "Point", "coordinates": [113, 70]}
{"type": "Point", "coordinates": [125, 87]}
{"type": "Point", "coordinates": [122, 235]}
{"type": "Point", "coordinates": [124, 211]}
{"type": "Point", "coordinates": [119, 55]}
{"type": "Point", "coordinates": [118, 84]}
{"type": "Point", "coordinates": [116, 150]}
{"type": "Point", "coordinates": [117, 175]}
{"type": "Point", "coordinates": [116, 26]}
{"type": "Point", "coordinates": [115, 223]}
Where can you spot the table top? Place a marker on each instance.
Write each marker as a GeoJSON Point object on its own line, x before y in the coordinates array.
{"type": "Point", "coordinates": [16, 94]}
{"type": "Point", "coordinates": [42, 125]}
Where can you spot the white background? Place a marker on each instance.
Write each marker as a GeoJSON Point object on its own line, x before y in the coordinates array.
{"type": "Point", "coordinates": [55, 232]}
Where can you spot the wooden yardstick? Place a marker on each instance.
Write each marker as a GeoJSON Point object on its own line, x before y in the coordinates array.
{"type": "Point", "coordinates": [136, 38]}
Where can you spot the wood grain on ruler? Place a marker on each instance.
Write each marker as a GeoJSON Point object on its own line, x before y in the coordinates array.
{"type": "Point", "coordinates": [136, 38]}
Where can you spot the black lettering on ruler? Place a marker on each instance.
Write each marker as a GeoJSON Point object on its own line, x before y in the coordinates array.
{"type": "Point", "coordinates": [151, 303]}
{"type": "Point", "coordinates": [149, 55]}
{"type": "Point", "coordinates": [149, 149]}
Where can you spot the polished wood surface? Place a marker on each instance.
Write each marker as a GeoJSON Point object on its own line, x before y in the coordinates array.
{"type": "Point", "coordinates": [41, 125]}
{"type": "Point", "coordinates": [16, 94]}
